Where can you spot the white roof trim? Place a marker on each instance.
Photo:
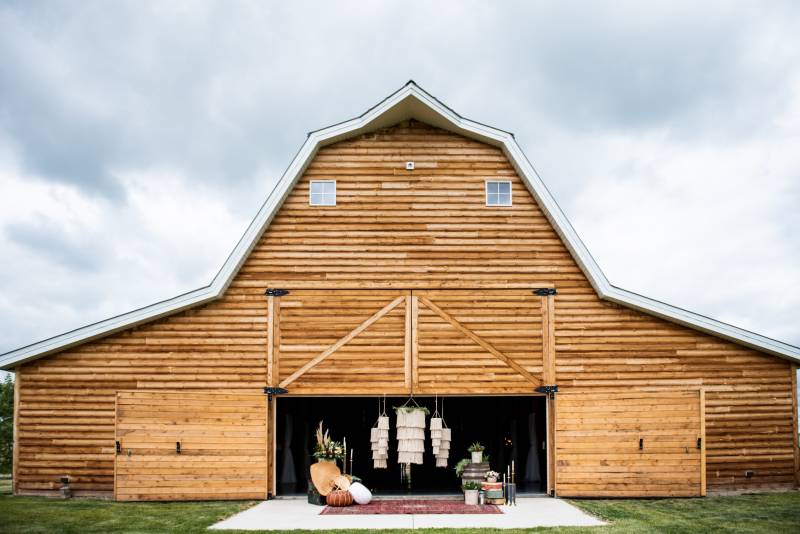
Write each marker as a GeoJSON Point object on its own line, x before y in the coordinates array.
{"type": "Point", "coordinates": [409, 101]}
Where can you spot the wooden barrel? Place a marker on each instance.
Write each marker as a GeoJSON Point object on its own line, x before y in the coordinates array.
{"type": "Point", "coordinates": [475, 472]}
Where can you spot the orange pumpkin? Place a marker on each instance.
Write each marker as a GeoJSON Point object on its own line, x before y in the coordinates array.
{"type": "Point", "coordinates": [339, 498]}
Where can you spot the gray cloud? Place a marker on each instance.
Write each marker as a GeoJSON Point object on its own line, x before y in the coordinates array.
{"type": "Point", "coordinates": [135, 120]}
{"type": "Point", "coordinates": [48, 240]}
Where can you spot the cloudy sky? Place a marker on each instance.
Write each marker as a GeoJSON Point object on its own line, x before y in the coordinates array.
{"type": "Point", "coordinates": [138, 139]}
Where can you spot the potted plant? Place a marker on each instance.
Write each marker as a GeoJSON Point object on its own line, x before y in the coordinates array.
{"type": "Point", "coordinates": [460, 466]}
{"type": "Point", "coordinates": [476, 450]}
{"type": "Point", "coordinates": [491, 476]}
{"type": "Point", "coordinates": [471, 492]}
{"type": "Point", "coordinates": [326, 449]}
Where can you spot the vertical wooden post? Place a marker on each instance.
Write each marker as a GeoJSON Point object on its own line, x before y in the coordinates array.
{"type": "Point", "coordinates": [414, 343]}
{"type": "Point", "coordinates": [274, 448]}
{"type": "Point", "coordinates": [270, 339]}
{"type": "Point", "coordinates": [408, 341]}
{"type": "Point", "coordinates": [267, 447]}
{"type": "Point", "coordinates": [116, 439]}
{"type": "Point", "coordinates": [549, 378]}
{"type": "Point", "coordinates": [548, 341]}
{"type": "Point", "coordinates": [276, 341]}
{"type": "Point", "coordinates": [269, 430]}
{"type": "Point", "coordinates": [15, 443]}
{"type": "Point", "coordinates": [551, 447]}
{"type": "Point", "coordinates": [702, 442]}
{"type": "Point", "coordinates": [796, 445]}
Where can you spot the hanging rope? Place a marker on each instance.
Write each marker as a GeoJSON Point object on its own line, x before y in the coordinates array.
{"type": "Point", "coordinates": [410, 399]}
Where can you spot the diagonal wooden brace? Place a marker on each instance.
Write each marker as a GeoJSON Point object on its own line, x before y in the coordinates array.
{"type": "Point", "coordinates": [339, 344]}
{"type": "Point", "coordinates": [480, 341]}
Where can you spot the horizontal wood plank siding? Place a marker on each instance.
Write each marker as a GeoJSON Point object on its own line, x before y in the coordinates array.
{"type": "Point", "coordinates": [426, 229]}
{"type": "Point", "coordinates": [449, 362]}
{"type": "Point", "coordinates": [598, 450]}
{"type": "Point", "coordinates": [748, 395]}
{"type": "Point", "coordinates": [223, 442]}
{"type": "Point", "coordinates": [66, 414]}
{"type": "Point", "coordinates": [373, 362]}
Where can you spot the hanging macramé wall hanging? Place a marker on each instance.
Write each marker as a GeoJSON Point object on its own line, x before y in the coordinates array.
{"type": "Point", "coordinates": [379, 438]}
{"type": "Point", "coordinates": [440, 436]}
{"type": "Point", "coordinates": [410, 432]}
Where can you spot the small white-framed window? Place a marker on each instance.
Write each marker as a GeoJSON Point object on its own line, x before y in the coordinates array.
{"type": "Point", "coordinates": [322, 193]}
{"type": "Point", "coordinates": [498, 193]}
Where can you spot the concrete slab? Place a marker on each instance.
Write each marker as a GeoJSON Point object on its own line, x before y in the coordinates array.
{"type": "Point", "coordinates": [288, 514]}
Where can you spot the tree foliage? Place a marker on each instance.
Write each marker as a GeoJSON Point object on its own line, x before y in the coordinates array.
{"type": "Point", "coordinates": [6, 423]}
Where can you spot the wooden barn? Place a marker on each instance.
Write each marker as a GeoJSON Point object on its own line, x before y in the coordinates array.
{"type": "Point", "coordinates": [408, 251]}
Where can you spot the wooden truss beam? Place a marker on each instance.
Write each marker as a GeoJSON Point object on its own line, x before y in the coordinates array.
{"type": "Point", "coordinates": [480, 341]}
{"type": "Point", "coordinates": [343, 341]}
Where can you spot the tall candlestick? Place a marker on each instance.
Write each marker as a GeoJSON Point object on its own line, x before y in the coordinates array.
{"type": "Point", "coordinates": [351, 461]}
{"type": "Point", "coordinates": [513, 485]}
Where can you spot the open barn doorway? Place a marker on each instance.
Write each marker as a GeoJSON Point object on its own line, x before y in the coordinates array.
{"type": "Point", "coordinates": [511, 428]}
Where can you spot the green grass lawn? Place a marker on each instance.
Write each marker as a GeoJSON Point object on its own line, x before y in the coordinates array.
{"type": "Point", "coordinates": [772, 513]}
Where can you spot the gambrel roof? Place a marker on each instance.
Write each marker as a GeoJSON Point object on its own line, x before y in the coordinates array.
{"type": "Point", "coordinates": [408, 102]}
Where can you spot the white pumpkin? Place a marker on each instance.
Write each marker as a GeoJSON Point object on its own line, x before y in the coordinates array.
{"type": "Point", "coordinates": [360, 493]}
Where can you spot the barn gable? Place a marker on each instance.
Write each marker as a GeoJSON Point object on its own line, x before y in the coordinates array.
{"type": "Point", "coordinates": [409, 102]}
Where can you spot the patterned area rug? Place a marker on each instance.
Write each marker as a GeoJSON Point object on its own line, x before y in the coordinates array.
{"type": "Point", "coordinates": [412, 506]}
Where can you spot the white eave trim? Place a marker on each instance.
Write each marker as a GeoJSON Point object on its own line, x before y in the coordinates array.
{"type": "Point", "coordinates": [351, 128]}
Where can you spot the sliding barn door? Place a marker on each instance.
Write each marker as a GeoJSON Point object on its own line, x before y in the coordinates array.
{"type": "Point", "coordinates": [342, 341]}
{"type": "Point", "coordinates": [638, 444]}
{"type": "Point", "coordinates": [190, 446]}
{"type": "Point", "coordinates": [483, 341]}
{"type": "Point", "coordinates": [453, 341]}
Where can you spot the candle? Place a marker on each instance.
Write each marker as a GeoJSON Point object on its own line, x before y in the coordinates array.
{"type": "Point", "coordinates": [351, 461]}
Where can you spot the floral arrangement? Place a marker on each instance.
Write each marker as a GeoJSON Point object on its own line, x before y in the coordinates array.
{"type": "Point", "coordinates": [492, 475]}
{"type": "Point", "coordinates": [476, 447]}
{"type": "Point", "coordinates": [325, 448]}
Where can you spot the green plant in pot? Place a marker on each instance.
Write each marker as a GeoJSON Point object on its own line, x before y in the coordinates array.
{"type": "Point", "coordinates": [476, 451]}
{"type": "Point", "coordinates": [460, 466]}
{"type": "Point", "coordinates": [471, 492]}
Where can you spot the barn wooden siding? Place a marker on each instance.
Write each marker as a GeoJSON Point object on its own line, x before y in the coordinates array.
{"type": "Point", "coordinates": [66, 416]}
{"type": "Point", "coordinates": [451, 341]}
{"type": "Point", "coordinates": [190, 446]}
{"type": "Point", "coordinates": [645, 444]}
{"type": "Point", "coordinates": [426, 229]}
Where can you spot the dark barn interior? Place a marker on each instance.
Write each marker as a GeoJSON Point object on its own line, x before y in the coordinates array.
{"type": "Point", "coordinates": [511, 428]}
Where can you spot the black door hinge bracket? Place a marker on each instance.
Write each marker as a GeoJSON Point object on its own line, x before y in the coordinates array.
{"type": "Point", "coordinates": [545, 291]}
{"type": "Point", "coordinates": [272, 292]}
{"type": "Point", "coordinates": [548, 390]}
{"type": "Point", "coordinates": [270, 392]}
